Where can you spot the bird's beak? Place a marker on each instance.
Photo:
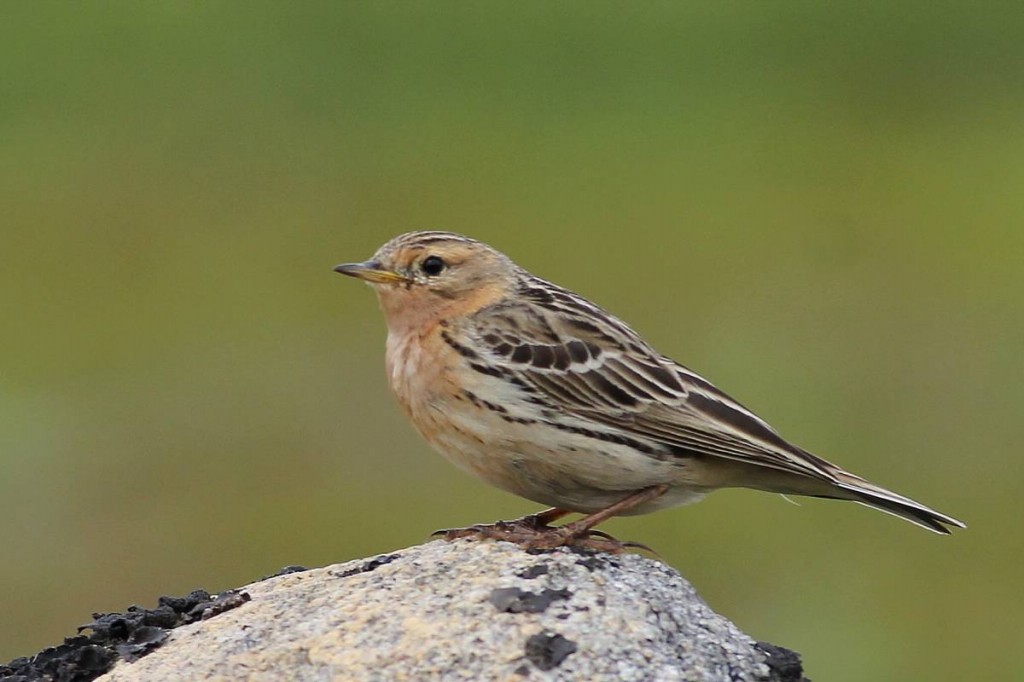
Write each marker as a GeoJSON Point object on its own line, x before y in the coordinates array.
{"type": "Point", "coordinates": [370, 271]}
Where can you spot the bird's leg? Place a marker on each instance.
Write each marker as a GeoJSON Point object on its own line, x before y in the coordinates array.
{"type": "Point", "coordinates": [581, 534]}
{"type": "Point", "coordinates": [584, 525]}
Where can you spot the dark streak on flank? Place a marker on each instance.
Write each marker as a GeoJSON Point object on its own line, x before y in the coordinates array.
{"type": "Point", "coordinates": [480, 402]}
{"type": "Point", "coordinates": [490, 370]}
{"type": "Point", "coordinates": [462, 350]}
{"type": "Point", "coordinates": [517, 420]}
{"type": "Point", "coordinates": [607, 437]}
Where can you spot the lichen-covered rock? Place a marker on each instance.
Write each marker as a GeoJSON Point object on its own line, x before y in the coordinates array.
{"type": "Point", "coordinates": [468, 611]}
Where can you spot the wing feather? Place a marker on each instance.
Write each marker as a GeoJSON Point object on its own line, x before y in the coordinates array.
{"type": "Point", "coordinates": [581, 360]}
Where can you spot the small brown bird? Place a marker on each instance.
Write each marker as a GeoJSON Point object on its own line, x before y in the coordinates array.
{"type": "Point", "coordinates": [542, 393]}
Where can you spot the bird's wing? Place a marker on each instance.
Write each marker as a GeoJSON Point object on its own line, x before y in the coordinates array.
{"type": "Point", "coordinates": [583, 361]}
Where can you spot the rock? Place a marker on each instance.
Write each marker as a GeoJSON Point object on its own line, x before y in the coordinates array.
{"type": "Point", "coordinates": [467, 611]}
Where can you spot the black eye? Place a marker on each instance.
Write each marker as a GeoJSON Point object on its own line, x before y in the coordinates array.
{"type": "Point", "coordinates": [433, 265]}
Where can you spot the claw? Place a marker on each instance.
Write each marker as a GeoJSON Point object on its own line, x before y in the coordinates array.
{"type": "Point", "coordinates": [640, 546]}
{"type": "Point", "coordinates": [452, 533]}
{"type": "Point", "coordinates": [600, 534]}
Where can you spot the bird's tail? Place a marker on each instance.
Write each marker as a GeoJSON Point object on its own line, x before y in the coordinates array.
{"type": "Point", "coordinates": [871, 495]}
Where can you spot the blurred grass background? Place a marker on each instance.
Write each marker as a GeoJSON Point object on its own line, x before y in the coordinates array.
{"type": "Point", "coordinates": [819, 206]}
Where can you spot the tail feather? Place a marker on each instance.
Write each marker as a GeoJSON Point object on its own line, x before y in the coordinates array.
{"type": "Point", "coordinates": [879, 498]}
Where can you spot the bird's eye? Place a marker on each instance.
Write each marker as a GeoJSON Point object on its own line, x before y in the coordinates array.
{"type": "Point", "coordinates": [433, 265]}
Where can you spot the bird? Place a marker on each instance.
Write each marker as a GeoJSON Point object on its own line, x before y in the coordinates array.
{"type": "Point", "coordinates": [541, 393]}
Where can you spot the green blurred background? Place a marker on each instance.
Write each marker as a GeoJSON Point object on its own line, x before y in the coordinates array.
{"type": "Point", "coordinates": [819, 206]}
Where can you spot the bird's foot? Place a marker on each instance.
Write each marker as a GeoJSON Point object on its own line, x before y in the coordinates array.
{"type": "Point", "coordinates": [578, 537]}
{"type": "Point", "coordinates": [532, 533]}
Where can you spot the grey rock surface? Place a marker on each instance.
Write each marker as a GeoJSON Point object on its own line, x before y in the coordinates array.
{"type": "Point", "coordinates": [468, 611]}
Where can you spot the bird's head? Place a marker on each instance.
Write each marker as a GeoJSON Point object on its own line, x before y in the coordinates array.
{"type": "Point", "coordinates": [423, 275]}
